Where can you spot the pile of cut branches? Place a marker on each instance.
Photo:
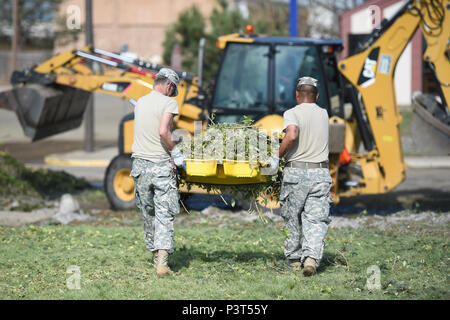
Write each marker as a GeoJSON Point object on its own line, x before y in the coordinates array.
{"type": "Point", "coordinates": [215, 142]}
{"type": "Point", "coordinates": [17, 179]}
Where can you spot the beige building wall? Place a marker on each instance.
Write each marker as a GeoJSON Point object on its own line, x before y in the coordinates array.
{"type": "Point", "coordinates": [140, 24]}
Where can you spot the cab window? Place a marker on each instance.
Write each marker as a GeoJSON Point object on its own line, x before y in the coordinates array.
{"type": "Point", "coordinates": [243, 79]}
{"type": "Point", "coordinates": [291, 63]}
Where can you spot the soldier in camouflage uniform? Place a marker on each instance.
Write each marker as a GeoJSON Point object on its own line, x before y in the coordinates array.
{"type": "Point", "coordinates": [154, 158]}
{"type": "Point", "coordinates": [305, 193]}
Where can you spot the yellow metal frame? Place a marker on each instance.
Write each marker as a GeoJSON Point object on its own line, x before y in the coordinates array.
{"type": "Point", "coordinates": [383, 168]}
{"type": "Point", "coordinates": [201, 167]}
{"type": "Point", "coordinates": [234, 37]}
{"type": "Point", "coordinates": [229, 172]}
{"type": "Point", "coordinates": [221, 178]}
{"type": "Point", "coordinates": [71, 71]}
{"type": "Point", "coordinates": [438, 44]}
{"type": "Point", "coordinates": [240, 169]}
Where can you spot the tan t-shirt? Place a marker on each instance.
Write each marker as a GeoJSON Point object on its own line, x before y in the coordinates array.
{"type": "Point", "coordinates": [313, 126]}
{"type": "Point", "coordinates": [147, 117]}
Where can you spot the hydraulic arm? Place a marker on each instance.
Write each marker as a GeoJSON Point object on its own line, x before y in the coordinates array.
{"type": "Point", "coordinates": [371, 73]}
{"type": "Point", "coordinates": [57, 91]}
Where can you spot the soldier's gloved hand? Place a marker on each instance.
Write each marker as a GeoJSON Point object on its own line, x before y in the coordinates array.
{"type": "Point", "coordinates": [177, 156]}
{"type": "Point", "coordinates": [273, 164]}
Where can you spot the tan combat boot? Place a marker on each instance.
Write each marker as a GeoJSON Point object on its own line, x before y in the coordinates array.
{"type": "Point", "coordinates": [309, 267]}
{"type": "Point", "coordinates": [295, 264]}
{"type": "Point", "coordinates": [162, 269]}
{"type": "Point", "coordinates": [155, 257]}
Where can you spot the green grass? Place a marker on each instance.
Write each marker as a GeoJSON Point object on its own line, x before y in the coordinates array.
{"type": "Point", "coordinates": [237, 261]}
{"type": "Point", "coordinates": [405, 125]}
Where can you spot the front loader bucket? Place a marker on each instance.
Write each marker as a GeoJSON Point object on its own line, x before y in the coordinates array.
{"type": "Point", "coordinates": [44, 111]}
{"type": "Point", "coordinates": [430, 126]}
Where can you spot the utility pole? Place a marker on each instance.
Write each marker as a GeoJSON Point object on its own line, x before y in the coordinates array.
{"type": "Point", "coordinates": [89, 115]}
{"type": "Point", "coordinates": [201, 51]}
{"type": "Point", "coordinates": [293, 25]}
{"type": "Point", "coordinates": [15, 39]}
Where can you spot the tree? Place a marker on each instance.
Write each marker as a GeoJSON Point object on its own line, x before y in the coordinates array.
{"type": "Point", "coordinates": [272, 17]}
{"type": "Point", "coordinates": [268, 17]}
{"type": "Point", "coordinates": [190, 27]}
{"type": "Point", "coordinates": [187, 31]}
{"type": "Point", "coordinates": [222, 21]}
{"type": "Point", "coordinates": [33, 14]}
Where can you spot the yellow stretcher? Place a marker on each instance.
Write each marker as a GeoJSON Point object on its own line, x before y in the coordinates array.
{"type": "Point", "coordinates": [227, 172]}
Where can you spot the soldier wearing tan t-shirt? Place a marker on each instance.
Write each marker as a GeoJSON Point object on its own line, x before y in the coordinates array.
{"type": "Point", "coordinates": [148, 113]}
{"type": "Point", "coordinates": [311, 146]}
{"type": "Point", "coordinates": [305, 193]}
{"type": "Point", "coordinates": [154, 175]}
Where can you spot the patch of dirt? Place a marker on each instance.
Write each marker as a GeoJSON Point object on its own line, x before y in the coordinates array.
{"type": "Point", "coordinates": [402, 219]}
{"type": "Point", "coordinates": [223, 217]}
{"type": "Point", "coordinates": [17, 219]}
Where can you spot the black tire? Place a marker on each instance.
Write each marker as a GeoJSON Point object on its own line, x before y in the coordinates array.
{"type": "Point", "coordinates": [119, 199]}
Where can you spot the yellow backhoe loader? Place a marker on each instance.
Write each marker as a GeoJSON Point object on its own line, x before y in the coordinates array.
{"type": "Point", "coordinates": [256, 77]}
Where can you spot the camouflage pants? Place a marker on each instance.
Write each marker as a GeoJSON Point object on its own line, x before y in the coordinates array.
{"type": "Point", "coordinates": [305, 206]}
{"type": "Point", "coordinates": [157, 197]}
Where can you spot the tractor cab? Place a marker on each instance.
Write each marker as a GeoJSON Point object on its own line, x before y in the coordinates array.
{"type": "Point", "coordinates": [257, 75]}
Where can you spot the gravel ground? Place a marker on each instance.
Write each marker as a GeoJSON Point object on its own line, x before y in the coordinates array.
{"type": "Point", "coordinates": [223, 217]}
{"type": "Point", "coordinates": [13, 216]}
{"type": "Point", "coordinates": [428, 218]}
{"type": "Point", "coordinates": [403, 218]}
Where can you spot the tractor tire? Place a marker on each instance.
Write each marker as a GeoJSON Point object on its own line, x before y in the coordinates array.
{"type": "Point", "coordinates": [119, 186]}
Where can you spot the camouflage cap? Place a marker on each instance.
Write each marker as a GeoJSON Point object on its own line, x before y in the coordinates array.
{"type": "Point", "coordinates": [307, 80]}
{"type": "Point", "coordinates": [172, 76]}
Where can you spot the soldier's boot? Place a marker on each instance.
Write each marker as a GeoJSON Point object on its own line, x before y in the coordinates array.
{"type": "Point", "coordinates": [309, 267]}
{"type": "Point", "coordinates": [162, 268]}
{"type": "Point", "coordinates": [295, 264]}
{"type": "Point", "coordinates": [155, 257]}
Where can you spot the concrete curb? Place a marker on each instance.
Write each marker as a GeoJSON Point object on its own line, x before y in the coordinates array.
{"type": "Point", "coordinates": [55, 161]}
{"type": "Point", "coordinates": [80, 158]}
{"type": "Point", "coordinates": [428, 162]}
